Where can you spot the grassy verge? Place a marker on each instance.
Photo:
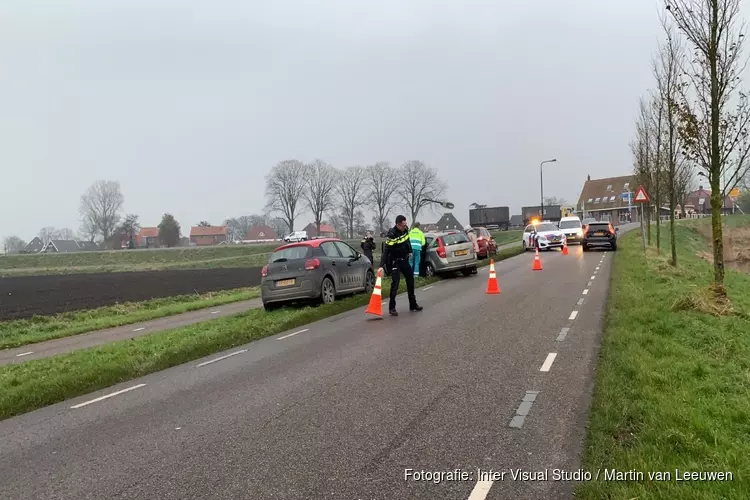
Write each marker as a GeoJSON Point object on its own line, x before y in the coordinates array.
{"type": "Point", "coordinates": [673, 380]}
{"type": "Point", "coordinates": [505, 237]}
{"type": "Point", "coordinates": [40, 328]}
{"type": "Point", "coordinates": [34, 384]}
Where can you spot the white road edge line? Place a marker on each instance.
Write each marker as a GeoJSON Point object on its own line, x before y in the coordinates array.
{"type": "Point", "coordinates": [293, 334]}
{"type": "Point", "coordinates": [139, 329]}
{"type": "Point", "coordinates": [427, 287]}
{"type": "Point", "coordinates": [481, 490]}
{"type": "Point", "coordinates": [548, 362]}
{"type": "Point", "coordinates": [222, 357]}
{"type": "Point", "coordinates": [107, 396]}
{"type": "Point", "coordinates": [586, 291]}
{"type": "Point", "coordinates": [215, 312]}
{"type": "Point", "coordinates": [24, 354]}
{"type": "Point", "coordinates": [573, 315]}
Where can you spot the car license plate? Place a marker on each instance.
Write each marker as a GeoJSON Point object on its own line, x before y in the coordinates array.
{"type": "Point", "coordinates": [599, 233]}
{"type": "Point", "coordinates": [286, 282]}
{"type": "Point", "coordinates": [461, 252]}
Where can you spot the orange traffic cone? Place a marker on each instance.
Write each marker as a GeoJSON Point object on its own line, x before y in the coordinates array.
{"type": "Point", "coordinates": [537, 263]}
{"type": "Point", "coordinates": [492, 286]}
{"type": "Point", "coordinates": [565, 247]}
{"type": "Point", "coordinates": [376, 300]}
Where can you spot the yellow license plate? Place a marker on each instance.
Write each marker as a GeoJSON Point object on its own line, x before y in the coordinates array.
{"type": "Point", "coordinates": [285, 282]}
{"type": "Point", "coordinates": [600, 233]}
{"type": "Point", "coordinates": [461, 252]}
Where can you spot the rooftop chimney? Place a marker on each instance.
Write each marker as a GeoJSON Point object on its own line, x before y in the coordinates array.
{"type": "Point", "coordinates": [589, 178]}
{"type": "Point", "coordinates": [700, 188]}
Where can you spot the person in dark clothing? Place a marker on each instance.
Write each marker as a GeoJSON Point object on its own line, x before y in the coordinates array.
{"type": "Point", "coordinates": [368, 246]}
{"type": "Point", "coordinates": [395, 259]}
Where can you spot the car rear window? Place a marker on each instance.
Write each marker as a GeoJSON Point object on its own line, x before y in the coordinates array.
{"type": "Point", "coordinates": [569, 224]}
{"type": "Point", "coordinates": [291, 253]}
{"type": "Point", "coordinates": [455, 239]}
{"type": "Point", "coordinates": [599, 226]}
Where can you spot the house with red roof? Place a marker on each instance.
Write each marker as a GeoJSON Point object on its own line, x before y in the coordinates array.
{"type": "Point", "coordinates": [326, 231]}
{"type": "Point", "coordinates": [204, 236]}
{"type": "Point", "coordinates": [148, 237]}
{"type": "Point", "coordinates": [260, 234]}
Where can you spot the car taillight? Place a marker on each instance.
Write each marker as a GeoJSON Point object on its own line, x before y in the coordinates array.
{"type": "Point", "coordinates": [264, 272]}
{"type": "Point", "coordinates": [611, 229]}
{"type": "Point", "coordinates": [441, 249]}
{"type": "Point", "coordinates": [312, 264]}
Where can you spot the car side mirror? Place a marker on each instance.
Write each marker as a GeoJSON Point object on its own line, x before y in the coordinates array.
{"type": "Point", "coordinates": [617, 229]}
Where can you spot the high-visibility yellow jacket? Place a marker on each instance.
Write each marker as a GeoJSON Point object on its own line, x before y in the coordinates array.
{"type": "Point", "coordinates": [416, 236]}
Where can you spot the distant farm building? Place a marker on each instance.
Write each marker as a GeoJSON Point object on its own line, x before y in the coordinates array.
{"type": "Point", "coordinates": [208, 235]}
{"type": "Point", "coordinates": [260, 234]}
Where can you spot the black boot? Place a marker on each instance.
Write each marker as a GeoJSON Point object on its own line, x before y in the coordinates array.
{"type": "Point", "coordinates": [416, 307]}
{"type": "Point", "coordinates": [393, 312]}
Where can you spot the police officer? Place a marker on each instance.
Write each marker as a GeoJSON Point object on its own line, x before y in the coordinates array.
{"type": "Point", "coordinates": [368, 246]}
{"type": "Point", "coordinates": [395, 259]}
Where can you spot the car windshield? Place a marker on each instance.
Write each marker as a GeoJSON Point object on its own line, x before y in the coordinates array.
{"type": "Point", "coordinates": [290, 253]}
{"type": "Point", "coordinates": [545, 227]}
{"type": "Point", "coordinates": [570, 224]}
{"type": "Point", "coordinates": [454, 239]}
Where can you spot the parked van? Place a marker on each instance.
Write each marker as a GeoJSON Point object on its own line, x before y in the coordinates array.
{"type": "Point", "coordinates": [572, 227]}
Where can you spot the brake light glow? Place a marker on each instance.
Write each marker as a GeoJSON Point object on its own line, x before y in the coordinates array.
{"type": "Point", "coordinates": [264, 272]}
{"type": "Point", "coordinates": [611, 229]}
{"type": "Point", "coordinates": [441, 249]}
{"type": "Point", "coordinates": [312, 264]}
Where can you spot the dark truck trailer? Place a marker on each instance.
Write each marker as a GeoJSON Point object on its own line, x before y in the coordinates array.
{"type": "Point", "coordinates": [552, 213]}
{"type": "Point", "coordinates": [492, 216]}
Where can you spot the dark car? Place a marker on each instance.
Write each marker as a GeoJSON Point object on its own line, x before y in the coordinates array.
{"type": "Point", "coordinates": [599, 234]}
{"type": "Point", "coordinates": [318, 270]}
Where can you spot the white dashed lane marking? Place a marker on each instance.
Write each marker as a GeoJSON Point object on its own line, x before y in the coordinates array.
{"type": "Point", "coordinates": [102, 398]}
{"type": "Point", "coordinates": [24, 354]}
{"type": "Point", "coordinates": [139, 329]}
{"type": "Point", "coordinates": [222, 357]}
{"type": "Point", "coordinates": [481, 490]}
{"type": "Point", "coordinates": [548, 362]}
{"type": "Point", "coordinates": [580, 302]}
{"type": "Point", "coordinates": [563, 333]}
{"type": "Point", "coordinates": [573, 315]}
{"type": "Point", "coordinates": [215, 312]}
{"type": "Point", "coordinates": [593, 277]}
{"type": "Point", "coordinates": [293, 334]}
{"type": "Point", "coordinates": [586, 291]}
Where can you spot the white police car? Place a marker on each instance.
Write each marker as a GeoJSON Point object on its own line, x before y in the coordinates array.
{"type": "Point", "coordinates": [546, 234]}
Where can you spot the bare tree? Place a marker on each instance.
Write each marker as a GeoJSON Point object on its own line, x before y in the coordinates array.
{"type": "Point", "coordinates": [65, 234]}
{"type": "Point", "coordinates": [715, 135]}
{"type": "Point", "coordinates": [684, 181]}
{"type": "Point", "coordinates": [279, 226]}
{"type": "Point", "coordinates": [383, 182]}
{"type": "Point", "coordinates": [100, 207]}
{"type": "Point", "coordinates": [47, 233]}
{"type": "Point", "coordinates": [553, 200]}
{"type": "Point", "coordinates": [320, 189]}
{"type": "Point", "coordinates": [88, 230]}
{"type": "Point", "coordinates": [238, 227]}
{"type": "Point", "coordinates": [14, 244]}
{"type": "Point", "coordinates": [641, 149]}
{"type": "Point", "coordinates": [418, 184]}
{"type": "Point", "coordinates": [668, 73]}
{"type": "Point", "coordinates": [352, 195]}
{"type": "Point", "coordinates": [285, 185]}
{"type": "Point", "coordinates": [657, 169]}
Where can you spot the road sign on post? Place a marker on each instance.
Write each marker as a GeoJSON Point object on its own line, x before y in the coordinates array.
{"type": "Point", "coordinates": [640, 195]}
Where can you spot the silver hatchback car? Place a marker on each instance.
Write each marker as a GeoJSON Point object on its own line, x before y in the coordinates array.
{"type": "Point", "coordinates": [449, 252]}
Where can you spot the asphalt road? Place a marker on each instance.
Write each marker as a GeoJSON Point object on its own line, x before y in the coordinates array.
{"type": "Point", "coordinates": [92, 339]}
{"type": "Point", "coordinates": [339, 409]}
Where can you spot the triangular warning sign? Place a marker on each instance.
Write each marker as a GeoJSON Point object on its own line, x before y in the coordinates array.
{"type": "Point", "coordinates": [640, 195]}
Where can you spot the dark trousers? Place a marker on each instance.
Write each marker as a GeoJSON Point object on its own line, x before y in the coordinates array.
{"type": "Point", "coordinates": [369, 256]}
{"type": "Point", "coordinates": [402, 267]}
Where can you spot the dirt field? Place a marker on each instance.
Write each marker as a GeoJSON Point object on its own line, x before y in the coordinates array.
{"type": "Point", "coordinates": [736, 246]}
{"type": "Point", "coordinates": [23, 297]}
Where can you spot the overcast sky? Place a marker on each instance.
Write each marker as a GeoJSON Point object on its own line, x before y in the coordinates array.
{"type": "Point", "coordinates": [188, 106]}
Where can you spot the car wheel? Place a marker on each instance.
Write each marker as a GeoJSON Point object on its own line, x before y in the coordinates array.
{"type": "Point", "coordinates": [369, 282]}
{"type": "Point", "coordinates": [429, 271]}
{"type": "Point", "coordinates": [466, 272]}
{"type": "Point", "coordinates": [614, 247]}
{"type": "Point", "coordinates": [327, 291]}
{"type": "Point", "coordinates": [272, 306]}
{"type": "Point", "coordinates": [585, 248]}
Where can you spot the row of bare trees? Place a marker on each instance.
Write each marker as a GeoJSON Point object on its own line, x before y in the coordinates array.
{"type": "Point", "coordinates": [696, 118]}
{"type": "Point", "coordinates": [293, 186]}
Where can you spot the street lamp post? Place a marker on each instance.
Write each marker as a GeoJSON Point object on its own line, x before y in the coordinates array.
{"type": "Point", "coordinates": [541, 184]}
